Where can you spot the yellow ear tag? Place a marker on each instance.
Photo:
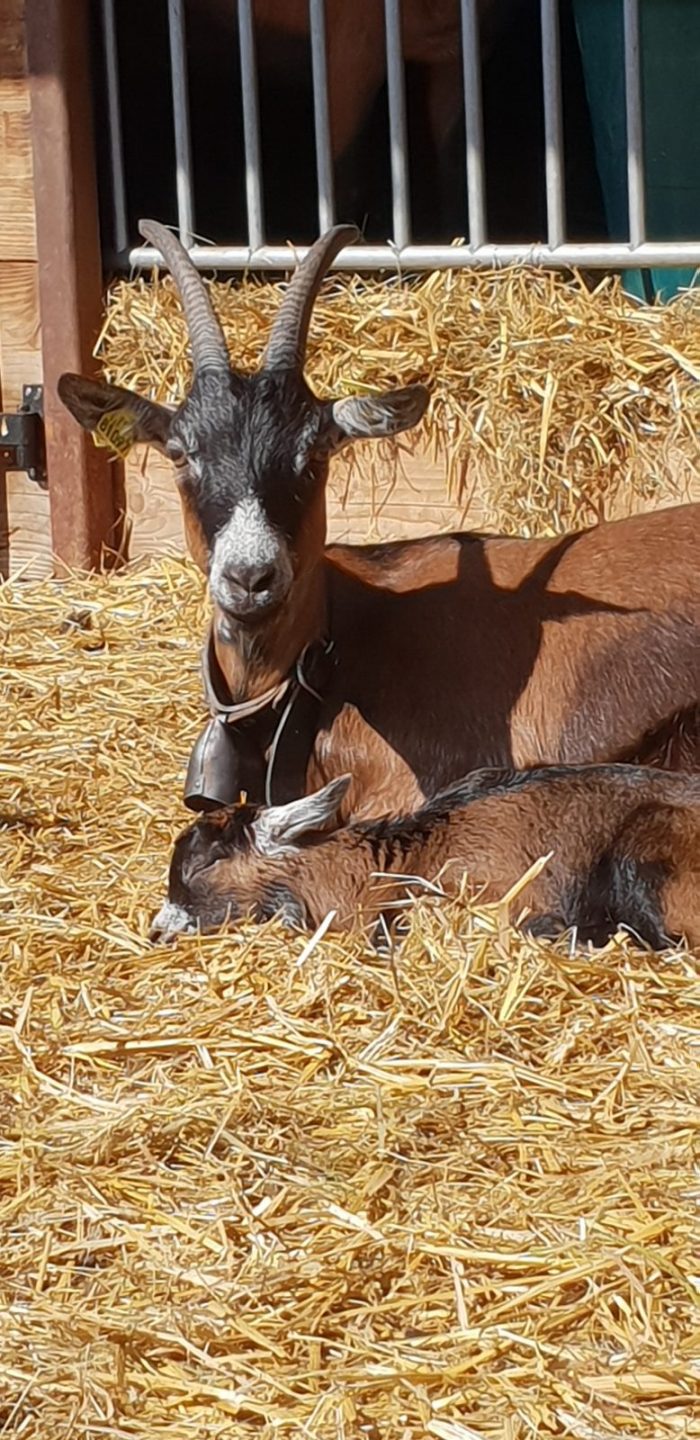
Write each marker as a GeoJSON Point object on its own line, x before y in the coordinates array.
{"type": "Point", "coordinates": [116, 431]}
{"type": "Point", "coordinates": [242, 800]}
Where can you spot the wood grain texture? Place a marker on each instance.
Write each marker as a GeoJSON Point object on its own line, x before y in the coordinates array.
{"type": "Point", "coordinates": [83, 495]}
{"type": "Point", "coordinates": [13, 60]}
{"type": "Point", "coordinates": [17, 211]}
{"type": "Point", "coordinates": [25, 540]}
{"type": "Point", "coordinates": [20, 340]}
{"type": "Point", "coordinates": [29, 526]}
{"type": "Point", "coordinates": [17, 227]}
{"type": "Point", "coordinates": [25, 546]}
{"type": "Point", "coordinates": [415, 504]}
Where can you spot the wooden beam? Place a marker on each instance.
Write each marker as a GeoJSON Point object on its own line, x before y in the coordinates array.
{"type": "Point", "coordinates": [29, 549]}
{"type": "Point", "coordinates": [83, 486]}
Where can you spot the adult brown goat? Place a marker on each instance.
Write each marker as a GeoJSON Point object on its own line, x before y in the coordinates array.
{"type": "Point", "coordinates": [626, 845]}
{"type": "Point", "coordinates": [431, 657]}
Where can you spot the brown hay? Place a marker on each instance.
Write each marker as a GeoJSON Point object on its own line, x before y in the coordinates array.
{"type": "Point", "coordinates": [453, 1196]}
{"type": "Point", "coordinates": [556, 404]}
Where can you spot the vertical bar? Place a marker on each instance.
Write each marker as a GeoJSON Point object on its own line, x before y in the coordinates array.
{"type": "Point", "coordinates": [635, 135]}
{"type": "Point", "coordinates": [553, 127]}
{"type": "Point", "coordinates": [397, 123]}
{"type": "Point", "coordinates": [84, 485]}
{"type": "Point", "coordinates": [114, 124]}
{"type": "Point", "coordinates": [322, 127]}
{"type": "Point", "coordinates": [251, 126]}
{"type": "Point", "coordinates": [474, 124]}
{"type": "Point", "coordinates": [181, 116]}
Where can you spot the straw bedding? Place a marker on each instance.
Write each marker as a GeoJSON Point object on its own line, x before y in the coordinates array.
{"type": "Point", "coordinates": [552, 403]}
{"type": "Point", "coordinates": [251, 1189]}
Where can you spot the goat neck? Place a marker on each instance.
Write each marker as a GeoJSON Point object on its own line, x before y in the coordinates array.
{"type": "Point", "coordinates": [254, 659]}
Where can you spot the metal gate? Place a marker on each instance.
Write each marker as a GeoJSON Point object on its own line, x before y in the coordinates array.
{"type": "Point", "coordinates": [399, 252]}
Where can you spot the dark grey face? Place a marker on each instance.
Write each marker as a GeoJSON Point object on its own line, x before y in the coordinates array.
{"type": "Point", "coordinates": [249, 463]}
{"type": "Point", "coordinates": [195, 901]}
{"type": "Point", "coordinates": [251, 451]}
{"type": "Point", "coordinates": [220, 867]}
{"type": "Point", "coordinates": [214, 879]}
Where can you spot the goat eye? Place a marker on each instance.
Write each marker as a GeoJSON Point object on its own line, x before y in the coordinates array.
{"type": "Point", "coordinates": [178, 456]}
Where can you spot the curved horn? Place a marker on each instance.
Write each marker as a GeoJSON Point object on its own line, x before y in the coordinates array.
{"type": "Point", "coordinates": [287, 344]}
{"type": "Point", "coordinates": [206, 336]}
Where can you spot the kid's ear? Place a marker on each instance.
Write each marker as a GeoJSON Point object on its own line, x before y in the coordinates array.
{"type": "Point", "coordinates": [280, 827]}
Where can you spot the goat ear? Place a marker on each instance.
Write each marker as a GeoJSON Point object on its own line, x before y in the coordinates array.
{"type": "Point", "coordinates": [117, 418]}
{"type": "Point", "coordinates": [280, 827]}
{"type": "Point", "coordinates": [372, 417]}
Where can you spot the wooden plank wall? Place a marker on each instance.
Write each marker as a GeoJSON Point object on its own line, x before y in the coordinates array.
{"type": "Point", "coordinates": [25, 538]}
{"type": "Point", "coordinates": [417, 503]}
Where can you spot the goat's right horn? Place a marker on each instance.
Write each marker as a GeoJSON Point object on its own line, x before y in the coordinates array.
{"type": "Point", "coordinates": [206, 336]}
{"type": "Point", "coordinates": [286, 347]}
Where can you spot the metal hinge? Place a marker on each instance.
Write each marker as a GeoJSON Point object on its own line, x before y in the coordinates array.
{"type": "Point", "coordinates": [22, 444]}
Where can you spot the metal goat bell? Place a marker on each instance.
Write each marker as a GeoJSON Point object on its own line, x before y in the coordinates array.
{"type": "Point", "coordinates": [228, 758]}
{"type": "Point", "coordinates": [224, 765]}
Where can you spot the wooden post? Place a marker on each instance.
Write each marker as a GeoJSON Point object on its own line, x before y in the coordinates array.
{"type": "Point", "coordinates": [83, 487]}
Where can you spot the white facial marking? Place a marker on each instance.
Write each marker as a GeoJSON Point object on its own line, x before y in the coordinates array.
{"type": "Point", "coordinates": [172, 920]}
{"type": "Point", "coordinates": [247, 539]}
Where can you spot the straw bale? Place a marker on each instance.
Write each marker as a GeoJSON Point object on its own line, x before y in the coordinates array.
{"type": "Point", "coordinates": [554, 403]}
{"type": "Point", "coordinates": [251, 1187]}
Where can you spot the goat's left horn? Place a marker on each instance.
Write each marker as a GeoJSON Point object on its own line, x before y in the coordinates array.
{"type": "Point", "coordinates": [206, 336]}
{"type": "Point", "coordinates": [286, 347]}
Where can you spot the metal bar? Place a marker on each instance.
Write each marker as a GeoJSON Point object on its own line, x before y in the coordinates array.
{"type": "Point", "coordinates": [114, 125]}
{"type": "Point", "coordinates": [181, 116]}
{"type": "Point", "coordinates": [251, 125]}
{"type": "Point", "coordinates": [553, 125]}
{"type": "Point", "coordinates": [635, 128]}
{"type": "Point", "coordinates": [474, 124]}
{"type": "Point", "coordinates": [440, 257]}
{"type": "Point", "coordinates": [397, 123]}
{"type": "Point", "coordinates": [322, 125]}
{"type": "Point", "coordinates": [84, 486]}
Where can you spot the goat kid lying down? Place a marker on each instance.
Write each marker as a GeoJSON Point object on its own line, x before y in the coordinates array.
{"type": "Point", "coordinates": [625, 843]}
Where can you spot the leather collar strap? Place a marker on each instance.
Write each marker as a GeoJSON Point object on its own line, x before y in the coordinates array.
{"type": "Point", "coordinates": [214, 684]}
{"type": "Point", "coordinates": [257, 747]}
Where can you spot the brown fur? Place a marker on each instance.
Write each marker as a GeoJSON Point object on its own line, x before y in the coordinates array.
{"type": "Point", "coordinates": [356, 53]}
{"type": "Point", "coordinates": [448, 653]}
{"type": "Point", "coordinates": [463, 651]}
{"type": "Point", "coordinates": [625, 843]}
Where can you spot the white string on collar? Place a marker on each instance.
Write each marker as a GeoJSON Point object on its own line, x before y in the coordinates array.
{"type": "Point", "coordinates": [229, 714]}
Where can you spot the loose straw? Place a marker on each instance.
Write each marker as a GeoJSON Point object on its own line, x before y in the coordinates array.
{"type": "Point", "coordinates": [451, 1195]}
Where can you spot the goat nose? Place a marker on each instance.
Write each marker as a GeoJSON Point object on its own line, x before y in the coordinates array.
{"type": "Point", "coordinates": [253, 579]}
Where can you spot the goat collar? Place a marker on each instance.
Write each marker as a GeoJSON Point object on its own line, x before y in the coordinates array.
{"type": "Point", "coordinates": [213, 682]}
{"type": "Point", "coordinates": [251, 748]}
